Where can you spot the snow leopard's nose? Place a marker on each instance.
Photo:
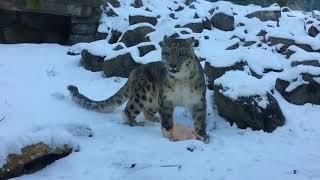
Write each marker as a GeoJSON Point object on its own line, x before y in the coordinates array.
{"type": "Point", "coordinates": [172, 66]}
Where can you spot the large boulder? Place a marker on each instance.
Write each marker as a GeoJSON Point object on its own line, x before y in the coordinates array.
{"type": "Point", "coordinates": [223, 22]}
{"type": "Point", "coordinates": [265, 15]}
{"type": "Point", "coordinates": [143, 50]}
{"type": "Point", "coordinates": [315, 63]}
{"type": "Point", "coordinates": [141, 19]}
{"type": "Point", "coordinates": [119, 66]}
{"type": "Point", "coordinates": [115, 35]}
{"type": "Point", "coordinates": [91, 62]}
{"type": "Point", "coordinates": [288, 42]}
{"type": "Point", "coordinates": [300, 90]}
{"type": "Point", "coordinates": [313, 31]}
{"type": "Point", "coordinates": [136, 35]}
{"type": "Point", "coordinates": [245, 101]}
{"type": "Point", "coordinates": [32, 159]}
{"type": "Point", "coordinates": [214, 73]}
{"type": "Point", "coordinates": [196, 27]}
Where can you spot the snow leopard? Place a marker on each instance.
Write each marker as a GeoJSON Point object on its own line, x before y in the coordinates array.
{"type": "Point", "coordinates": [177, 80]}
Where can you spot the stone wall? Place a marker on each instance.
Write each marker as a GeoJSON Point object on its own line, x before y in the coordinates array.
{"type": "Point", "coordinates": [305, 5]}
{"type": "Point", "coordinates": [49, 21]}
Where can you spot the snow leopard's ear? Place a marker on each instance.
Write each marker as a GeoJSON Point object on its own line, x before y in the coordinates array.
{"type": "Point", "coordinates": [192, 42]}
{"type": "Point", "coordinates": [165, 41]}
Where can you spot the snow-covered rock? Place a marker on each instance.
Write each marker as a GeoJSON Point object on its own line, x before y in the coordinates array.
{"type": "Point", "coordinates": [223, 21]}
{"type": "Point", "coordinates": [300, 86]}
{"type": "Point", "coordinates": [246, 101]}
{"type": "Point", "coordinates": [119, 66]}
{"type": "Point", "coordinates": [32, 159]}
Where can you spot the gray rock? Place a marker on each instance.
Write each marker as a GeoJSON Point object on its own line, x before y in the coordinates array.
{"type": "Point", "coordinates": [207, 24]}
{"type": "Point", "coordinates": [288, 42]}
{"type": "Point", "coordinates": [313, 31]}
{"type": "Point", "coordinates": [314, 63]}
{"type": "Point", "coordinates": [188, 2]}
{"type": "Point", "coordinates": [91, 62]}
{"type": "Point", "coordinates": [223, 21]}
{"type": "Point", "coordinates": [232, 47]}
{"type": "Point", "coordinates": [265, 15]}
{"type": "Point", "coordinates": [180, 8]}
{"type": "Point", "coordinates": [115, 35]}
{"type": "Point", "coordinates": [114, 3]}
{"type": "Point", "coordinates": [146, 49]}
{"type": "Point", "coordinates": [195, 27]}
{"type": "Point", "coordinates": [137, 3]}
{"type": "Point", "coordinates": [196, 16]}
{"type": "Point", "coordinates": [249, 43]}
{"type": "Point", "coordinates": [118, 47]}
{"type": "Point", "coordinates": [99, 36]}
{"type": "Point", "coordinates": [305, 93]}
{"type": "Point", "coordinates": [246, 112]}
{"type": "Point", "coordinates": [110, 13]}
{"type": "Point", "coordinates": [141, 19]}
{"type": "Point", "coordinates": [263, 3]}
{"type": "Point", "coordinates": [284, 50]}
{"type": "Point", "coordinates": [213, 73]}
{"type": "Point", "coordinates": [120, 66]}
{"type": "Point", "coordinates": [136, 36]}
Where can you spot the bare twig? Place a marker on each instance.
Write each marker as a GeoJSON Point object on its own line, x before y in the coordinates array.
{"type": "Point", "coordinates": [3, 118]}
{"type": "Point", "coordinates": [179, 166]}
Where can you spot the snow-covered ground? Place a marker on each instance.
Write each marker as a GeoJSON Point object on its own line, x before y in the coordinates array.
{"type": "Point", "coordinates": [36, 107]}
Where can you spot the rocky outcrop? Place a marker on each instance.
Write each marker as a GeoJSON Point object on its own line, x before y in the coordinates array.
{"type": "Point", "coordinates": [313, 31]}
{"type": "Point", "coordinates": [91, 62]}
{"type": "Point", "coordinates": [315, 63]}
{"type": "Point", "coordinates": [143, 50]}
{"type": "Point", "coordinates": [32, 159]}
{"type": "Point", "coordinates": [288, 42]}
{"type": "Point", "coordinates": [214, 73]}
{"type": "Point", "coordinates": [195, 27]}
{"type": "Point", "coordinates": [307, 92]}
{"type": "Point", "coordinates": [136, 36]}
{"type": "Point", "coordinates": [245, 111]}
{"type": "Point", "coordinates": [265, 15]}
{"type": "Point", "coordinates": [120, 66]}
{"type": "Point", "coordinates": [141, 19]}
{"type": "Point", "coordinates": [223, 22]}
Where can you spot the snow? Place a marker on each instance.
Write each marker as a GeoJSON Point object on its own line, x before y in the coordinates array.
{"type": "Point", "coordinates": [237, 84]}
{"type": "Point", "coordinates": [302, 55]}
{"type": "Point", "coordinates": [38, 108]}
{"type": "Point", "coordinates": [35, 105]}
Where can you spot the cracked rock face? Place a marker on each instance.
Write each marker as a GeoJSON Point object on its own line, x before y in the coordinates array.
{"type": "Point", "coordinates": [308, 92]}
{"type": "Point", "coordinates": [32, 159]}
{"type": "Point", "coordinates": [136, 36]}
{"type": "Point", "coordinates": [119, 66]}
{"type": "Point", "coordinates": [246, 112]}
{"type": "Point", "coordinates": [223, 22]}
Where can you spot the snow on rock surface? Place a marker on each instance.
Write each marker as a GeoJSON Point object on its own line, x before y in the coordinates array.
{"type": "Point", "coordinates": [239, 84]}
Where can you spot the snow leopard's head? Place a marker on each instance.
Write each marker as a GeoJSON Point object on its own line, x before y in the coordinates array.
{"type": "Point", "coordinates": [177, 54]}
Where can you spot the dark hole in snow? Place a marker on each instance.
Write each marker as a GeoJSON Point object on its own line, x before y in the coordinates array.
{"type": "Point", "coordinates": [31, 27]}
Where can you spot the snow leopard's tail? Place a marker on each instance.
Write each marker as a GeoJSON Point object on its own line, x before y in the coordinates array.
{"type": "Point", "coordinates": [107, 105]}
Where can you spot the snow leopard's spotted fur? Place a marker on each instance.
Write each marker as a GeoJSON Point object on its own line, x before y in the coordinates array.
{"type": "Point", "coordinates": [159, 87]}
